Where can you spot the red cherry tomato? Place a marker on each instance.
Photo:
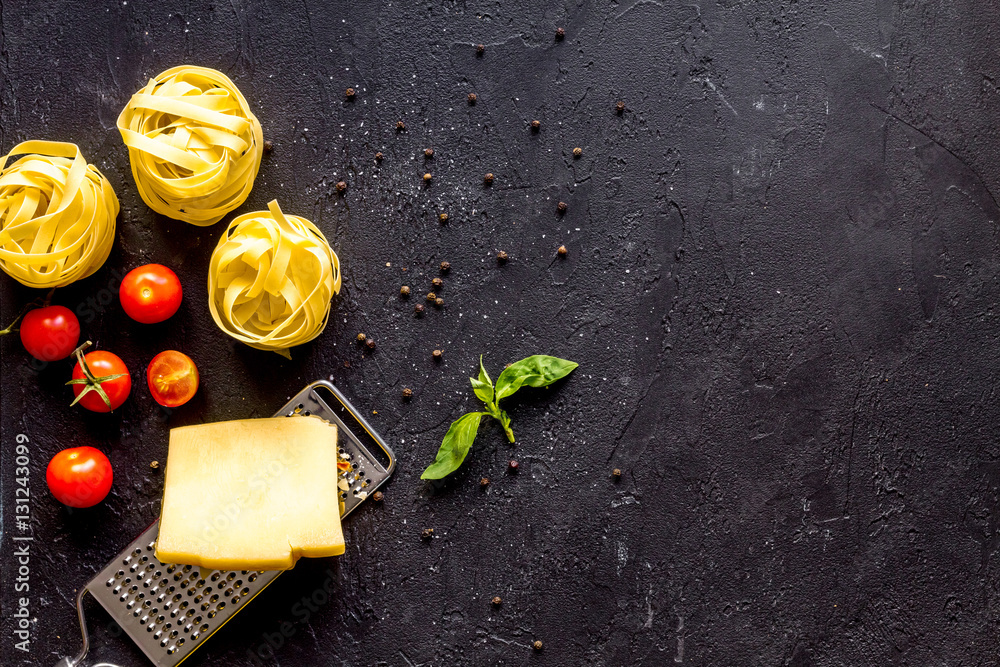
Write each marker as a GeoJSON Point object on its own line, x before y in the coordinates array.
{"type": "Point", "coordinates": [79, 477]}
{"type": "Point", "coordinates": [50, 333]}
{"type": "Point", "coordinates": [172, 378]}
{"type": "Point", "coordinates": [102, 364]}
{"type": "Point", "coordinates": [150, 293]}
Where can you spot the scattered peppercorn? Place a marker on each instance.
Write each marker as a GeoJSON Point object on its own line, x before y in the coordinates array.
{"type": "Point", "coordinates": [479, 49]}
{"type": "Point", "coordinates": [484, 482]}
{"type": "Point", "coordinates": [537, 645]}
{"type": "Point", "coordinates": [496, 600]}
{"type": "Point", "coordinates": [400, 126]}
{"type": "Point", "coordinates": [577, 152]}
{"type": "Point", "coordinates": [561, 207]}
{"type": "Point", "coordinates": [407, 393]}
{"type": "Point", "coordinates": [379, 156]}
{"type": "Point", "coordinates": [154, 464]}
{"type": "Point", "coordinates": [428, 152]}
{"type": "Point", "coordinates": [502, 256]}
{"type": "Point", "coordinates": [445, 267]}
{"type": "Point", "coordinates": [439, 302]}
{"type": "Point", "coordinates": [370, 343]}
{"type": "Point", "coordinates": [431, 296]}
{"type": "Point", "coordinates": [513, 465]}
{"type": "Point", "coordinates": [268, 146]}
{"type": "Point", "coordinates": [436, 354]}
{"type": "Point", "coordinates": [378, 497]}
{"type": "Point", "coordinates": [560, 33]}
{"type": "Point", "coordinates": [443, 217]}
{"type": "Point", "coordinates": [427, 177]}
{"type": "Point", "coordinates": [404, 290]}
{"type": "Point", "coordinates": [488, 179]}
{"type": "Point", "coordinates": [418, 309]}
{"type": "Point", "coordinates": [616, 473]}
{"type": "Point", "coordinates": [472, 98]}
{"type": "Point", "coordinates": [562, 251]}
{"type": "Point", "coordinates": [361, 337]}
{"type": "Point", "coordinates": [427, 533]}
{"type": "Point", "coordinates": [437, 282]}
{"type": "Point", "coordinates": [536, 125]}
{"type": "Point", "coordinates": [620, 107]}
{"type": "Point", "coordinates": [350, 93]}
{"type": "Point", "coordinates": [341, 186]}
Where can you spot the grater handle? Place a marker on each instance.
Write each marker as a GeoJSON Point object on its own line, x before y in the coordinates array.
{"type": "Point", "coordinates": [73, 662]}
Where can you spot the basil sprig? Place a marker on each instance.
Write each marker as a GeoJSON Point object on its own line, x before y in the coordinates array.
{"type": "Point", "coordinates": [538, 370]}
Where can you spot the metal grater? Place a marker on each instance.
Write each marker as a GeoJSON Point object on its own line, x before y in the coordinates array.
{"type": "Point", "coordinates": [170, 610]}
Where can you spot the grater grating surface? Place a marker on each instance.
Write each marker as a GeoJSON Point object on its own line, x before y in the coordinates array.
{"type": "Point", "coordinates": [170, 610]}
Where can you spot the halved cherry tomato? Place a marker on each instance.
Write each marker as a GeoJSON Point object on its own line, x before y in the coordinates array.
{"type": "Point", "coordinates": [79, 477]}
{"type": "Point", "coordinates": [107, 371]}
{"type": "Point", "coordinates": [172, 378]}
{"type": "Point", "coordinates": [50, 333]}
{"type": "Point", "coordinates": [150, 293]}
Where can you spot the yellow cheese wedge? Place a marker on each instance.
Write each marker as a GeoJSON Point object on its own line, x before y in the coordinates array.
{"type": "Point", "coordinates": [252, 494]}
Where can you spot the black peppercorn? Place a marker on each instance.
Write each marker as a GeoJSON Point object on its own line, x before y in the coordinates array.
{"type": "Point", "coordinates": [436, 354]}
{"type": "Point", "coordinates": [431, 296]}
{"type": "Point", "coordinates": [562, 251]}
{"type": "Point", "coordinates": [400, 126]}
{"type": "Point", "coordinates": [437, 282]}
{"type": "Point", "coordinates": [418, 309]}
{"type": "Point", "coordinates": [428, 152]}
{"type": "Point", "coordinates": [484, 482]}
{"type": "Point", "coordinates": [407, 393]}
{"type": "Point", "coordinates": [479, 49]}
{"type": "Point", "coordinates": [488, 179]}
{"type": "Point", "coordinates": [472, 98]}
{"type": "Point", "coordinates": [443, 217]}
{"type": "Point", "coordinates": [350, 93]}
{"type": "Point", "coordinates": [620, 107]}
{"type": "Point", "coordinates": [536, 125]}
{"type": "Point", "coordinates": [268, 146]}
{"type": "Point", "coordinates": [404, 290]}
{"type": "Point", "coordinates": [561, 207]}
{"type": "Point", "coordinates": [537, 645]}
{"type": "Point", "coordinates": [445, 267]}
{"type": "Point", "coordinates": [496, 600]}
{"type": "Point", "coordinates": [427, 533]}
{"type": "Point", "coordinates": [577, 152]}
{"type": "Point", "coordinates": [379, 156]}
{"type": "Point", "coordinates": [439, 302]}
{"type": "Point", "coordinates": [341, 186]}
{"type": "Point", "coordinates": [370, 343]}
{"type": "Point", "coordinates": [560, 33]}
{"type": "Point", "coordinates": [427, 177]}
{"type": "Point", "coordinates": [378, 497]}
{"type": "Point", "coordinates": [501, 256]}
{"type": "Point", "coordinates": [513, 465]}
{"type": "Point", "coordinates": [616, 473]}
{"type": "Point", "coordinates": [361, 337]}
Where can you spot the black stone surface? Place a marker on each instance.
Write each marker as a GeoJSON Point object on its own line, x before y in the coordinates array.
{"type": "Point", "coordinates": [780, 284]}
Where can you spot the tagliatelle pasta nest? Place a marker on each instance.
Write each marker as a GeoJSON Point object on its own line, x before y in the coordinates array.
{"type": "Point", "coordinates": [194, 144]}
{"type": "Point", "coordinates": [57, 215]}
{"type": "Point", "coordinates": [271, 279]}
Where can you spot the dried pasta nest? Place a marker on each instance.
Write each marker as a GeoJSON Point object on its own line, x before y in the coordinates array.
{"type": "Point", "coordinates": [271, 279]}
{"type": "Point", "coordinates": [194, 144]}
{"type": "Point", "coordinates": [57, 215]}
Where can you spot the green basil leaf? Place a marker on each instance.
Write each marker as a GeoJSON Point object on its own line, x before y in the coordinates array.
{"type": "Point", "coordinates": [456, 444]}
{"type": "Point", "coordinates": [483, 386]}
{"type": "Point", "coordinates": [538, 370]}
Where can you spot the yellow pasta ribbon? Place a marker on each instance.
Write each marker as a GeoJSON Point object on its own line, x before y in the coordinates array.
{"type": "Point", "coordinates": [194, 144]}
{"type": "Point", "coordinates": [57, 215]}
{"type": "Point", "coordinates": [271, 279]}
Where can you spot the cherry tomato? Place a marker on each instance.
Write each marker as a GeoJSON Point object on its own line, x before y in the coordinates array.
{"type": "Point", "coordinates": [50, 333]}
{"type": "Point", "coordinates": [150, 293]}
{"type": "Point", "coordinates": [79, 477]}
{"type": "Point", "coordinates": [102, 364]}
{"type": "Point", "coordinates": [172, 378]}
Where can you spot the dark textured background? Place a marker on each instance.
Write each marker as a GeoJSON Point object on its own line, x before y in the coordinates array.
{"type": "Point", "coordinates": [780, 287]}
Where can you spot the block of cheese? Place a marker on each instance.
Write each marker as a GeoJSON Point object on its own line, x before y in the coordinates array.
{"type": "Point", "coordinates": [251, 494]}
